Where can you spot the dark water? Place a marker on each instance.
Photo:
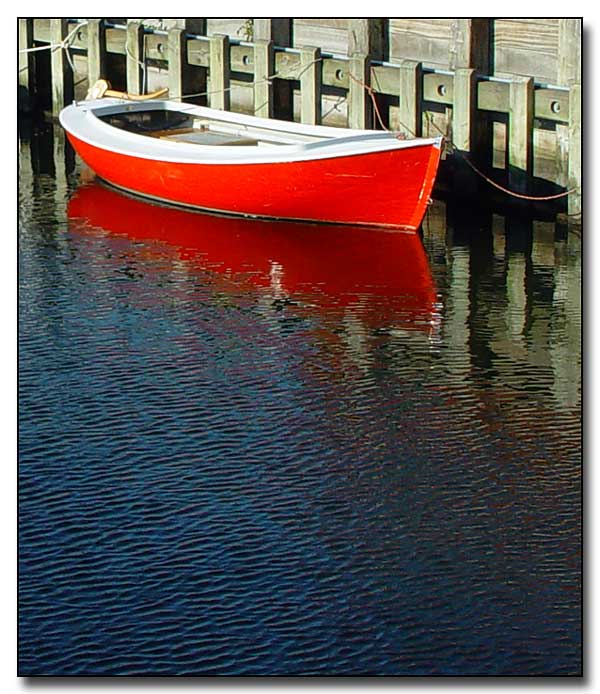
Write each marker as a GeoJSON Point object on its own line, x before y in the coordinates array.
{"type": "Point", "coordinates": [253, 449]}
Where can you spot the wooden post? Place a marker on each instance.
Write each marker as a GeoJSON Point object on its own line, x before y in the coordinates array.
{"type": "Point", "coordinates": [470, 56]}
{"type": "Point", "coordinates": [61, 73]}
{"type": "Point", "coordinates": [520, 132]}
{"type": "Point", "coordinates": [470, 44]}
{"type": "Point", "coordinates": [264, 67]}
{"type": "Point", "coordinates": [569, 136]}
{"type": "Point", "coordinates": [96, 50]}
{"type": "Point", "coordinates": [411, 85]}
{"type": "Point", "coordinates": [569, 51]}
{"type": "Point", "coordinates": [279, 31]}
{"type": "Point", "coordinates": [177, 50]}
{"type": "Point", "coordinates": [220, 96]}
{"type": "Point", "coordinates": [26, 60]}
{"type": "Point", "coordinates": [464, 108]}
{"type": "Point", "coordinates": [574, 181]}
{"type": "Point", "coordinates": [311, 69]}
{"type": "Point", "coordinates": [369, 37]}
{"type": "Point", "coordinates": [134, 48]}
{"type": "Point", "coordinates": [359, 101]}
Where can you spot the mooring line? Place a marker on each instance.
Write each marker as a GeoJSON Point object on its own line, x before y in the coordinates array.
{"type": "Point", "coordinates": [371, 92]}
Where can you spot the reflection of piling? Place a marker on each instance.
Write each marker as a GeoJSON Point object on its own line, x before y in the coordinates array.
{"type": "Point", "coordinates": [425, 76]}
{"type": "Point", "coordinates": [512, 293]}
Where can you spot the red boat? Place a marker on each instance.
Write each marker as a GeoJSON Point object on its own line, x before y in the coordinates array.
{"type": "Point", "coordinates": [233, 163]}
{"type": "Point", "coordinates": [382, 276]}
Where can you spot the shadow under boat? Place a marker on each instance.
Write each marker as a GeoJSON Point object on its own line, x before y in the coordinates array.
{"type": "Point", "coordinates": [381, 275]}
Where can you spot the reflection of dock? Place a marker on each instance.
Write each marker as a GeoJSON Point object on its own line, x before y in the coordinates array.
{"type": "Point", "coordinates": [513, 293]}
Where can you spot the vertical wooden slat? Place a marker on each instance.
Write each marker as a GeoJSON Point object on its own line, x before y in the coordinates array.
{"type": "Point", "coordinates": [26, 60]}
{"type": "Point", "coordinates": [574, 181]}
{"type": "Point", "coordinates": [264, 67]}
{"type": "Point", "coordinates": [463, 109]}
{"type": "Point", "coordinates": [280, 32]}
{"type": "Point", "coordinates": [134, 58]}
{"type": "Point", "coordinates": [177, 53]}
{"type": "Point", "coordinates": [470, 44]}
{"type": "Point", "coordinates": [62, 75]}
{"type": "Point", "coordinates": [520, 136]}
{"type": "Point", "coordinates": [411, 85]}
{"type": "Point", "coordinates": [470, 56]}
{"type": "Point", "coordinates": [569, 51]}
{"type": "Point", "coordinates": [219, 72]}
{"type": "Point", "coordinates": [369, 37]}
{"type": "Point", "coordinates": [96, 50]}
{"type": "Point", "coordinates": [569, 136]}
{"type": "Point", "coordinates": [311, 69]}
{"type": "Point", "coordinates": [359, 102]}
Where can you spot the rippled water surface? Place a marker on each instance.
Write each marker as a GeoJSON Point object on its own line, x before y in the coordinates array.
{"type": "Point", "coordinates": [250, 448]}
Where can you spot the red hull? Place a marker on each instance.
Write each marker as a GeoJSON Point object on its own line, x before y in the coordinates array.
{"type": "Point", "coordinates": [389, 188]}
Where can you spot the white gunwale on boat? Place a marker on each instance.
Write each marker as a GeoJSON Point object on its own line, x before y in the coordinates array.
{"type": "Point", "coordinates": [84, 121]}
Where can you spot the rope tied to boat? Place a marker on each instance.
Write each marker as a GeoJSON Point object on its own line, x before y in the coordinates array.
{"type": "Point", "coordinates": [452, 148]}
{"type": "Point", "coordinates": [64, 45]}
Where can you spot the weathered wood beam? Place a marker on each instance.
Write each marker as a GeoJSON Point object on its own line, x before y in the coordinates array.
{"type": "Point", "coordinates": [411, 87]}
{"type": "Point", "coordinates": [61, 72]}
{"type": "Point", "coordinates": [569, 136]}
{"type": "Point", "coordinates": [280, 32]}
{"type": "Point", "coordinates": [368, 37]}
{"type": "Point", "coordinates": [520, 131]}
{"type": "Point", "coordinates": [264, 64]}
{"type": "Point", "coordinates": [26, 60]}
{"type": "Point", "coordinates": [96, 50]}
{"type": "Point", "coordinates": [220, 71]}
{"type": "Point", "coordinates": [574, 171]}
{"type": "Point", "coordinates": [134, 49]}
{"type": "Point", "coordinates": [470, 44]}
{"type": "Point", "coordinates": [359, 102]}
{"type": "Point", "coordinates": [310, 85]}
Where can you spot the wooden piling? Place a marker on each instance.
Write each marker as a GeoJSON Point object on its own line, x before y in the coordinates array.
{"type": "Point", "coordinates": [220, 72]}
{"type": "Point", "coordinates": [264, 67]}
{"type": "Point", "coordinates": [280, 32]}
{"type": "Point", "coordinates": [26, 59]}
{"type": "Point", "coordinates": [470, 57]}
{"type": "Point", "coordinates": [96, 50]}
{"type": "Point", "coordinates": [569, 135]}
{"type": "Point", "coordinates": [359, 102]}
{"type": "Point", "coordinates": [410, 94]}
{"type": "Point", "coordinates": [134, 49]}
{"type": "Point", "coordinates": [61, 72]}
{"type": "Point", "coordinates": [574, 181]}
{"type": "Point", "coordinates": [311, 69]}
{"type": "Point", "coordinates": [520, 131]}
{"type": "Point", "coordinates": [368, 37]}
{"type": "Point", "coordinates": [177, 52]}
{"type": "Point", "coordinates": [470, 44]}
{"type": "Point", "coordinates": [464, 108]}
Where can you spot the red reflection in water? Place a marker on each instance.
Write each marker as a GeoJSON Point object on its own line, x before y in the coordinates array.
{"type": "Point", "coordinates": [340, 266]}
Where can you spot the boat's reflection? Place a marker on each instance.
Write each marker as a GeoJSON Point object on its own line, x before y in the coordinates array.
{"type": "Point", "coordinates": [381, 276]}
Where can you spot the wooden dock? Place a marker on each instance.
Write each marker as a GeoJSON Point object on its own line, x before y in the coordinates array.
{"type": "Point", "coordinates": [505, 93]}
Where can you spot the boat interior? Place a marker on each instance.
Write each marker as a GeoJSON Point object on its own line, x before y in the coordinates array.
{"type": "Point", "coordinates": [176, 126]}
